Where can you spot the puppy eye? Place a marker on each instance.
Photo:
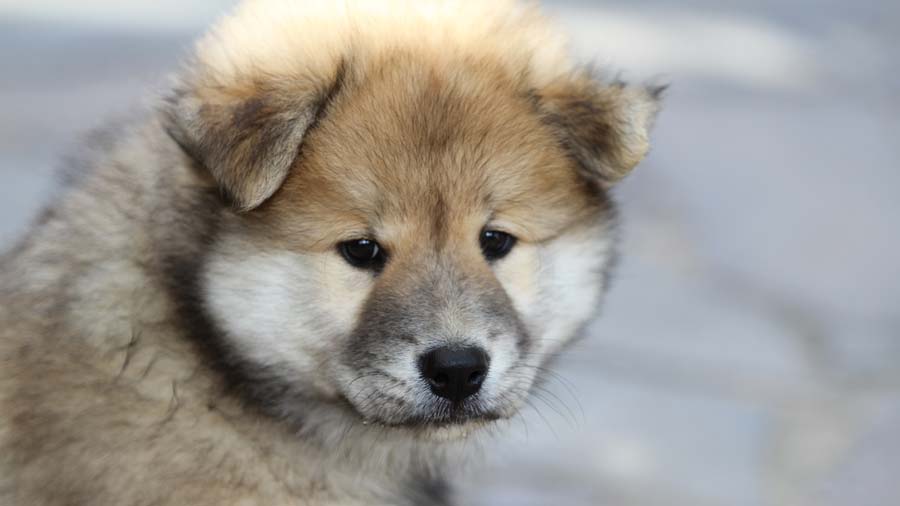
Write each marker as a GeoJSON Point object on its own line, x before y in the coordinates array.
{"type": "Point", "coordinates": [496, 244]}
{"type": "Point", "coordinates": [363, 253]}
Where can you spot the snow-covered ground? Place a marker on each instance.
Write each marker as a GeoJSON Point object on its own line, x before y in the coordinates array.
{"type": "Point", "coordinates": [749, 353]}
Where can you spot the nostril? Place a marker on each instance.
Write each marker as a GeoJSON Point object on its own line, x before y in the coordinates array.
{"type": "Point", "coordinates": [440, 380]}
{"type": "Point", "coordinates": [454, 373]}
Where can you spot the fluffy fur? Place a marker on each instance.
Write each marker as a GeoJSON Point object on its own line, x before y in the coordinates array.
{"type": "Point", "coordinates": [179, 327]}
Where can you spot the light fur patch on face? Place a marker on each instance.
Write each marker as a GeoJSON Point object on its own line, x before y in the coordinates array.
{"type": "Point", "coordinates": [571, 280]}
{"type": "Point", "coordinates": [284, 310]}
{"type": "Point", "coordinates": [556, 286]}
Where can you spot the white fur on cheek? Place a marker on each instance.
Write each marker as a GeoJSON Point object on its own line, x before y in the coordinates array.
{"type": "Point", "coordinates": [283, 308]}
{"type": "Point", "coordinates": [571, 285]}
{"type": "Point", "coordinates": [556, 287]}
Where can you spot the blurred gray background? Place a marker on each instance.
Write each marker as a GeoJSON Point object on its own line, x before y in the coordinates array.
{"type": "Point", "coordinates": [749, 352]}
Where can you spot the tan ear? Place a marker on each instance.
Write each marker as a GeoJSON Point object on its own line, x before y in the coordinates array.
{"type": "Point", "coordinates": [249, 137]}
{"type": "Point", "coordinates": [604, 126]}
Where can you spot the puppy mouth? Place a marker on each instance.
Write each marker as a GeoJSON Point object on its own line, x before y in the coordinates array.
{"type": "Point", "coordinates": [440, 416]}
{"type": "Point", "coordinates": [453, 419]}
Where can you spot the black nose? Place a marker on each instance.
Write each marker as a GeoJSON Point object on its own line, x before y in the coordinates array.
{"type": "Point", "coordinates": [454, 373]}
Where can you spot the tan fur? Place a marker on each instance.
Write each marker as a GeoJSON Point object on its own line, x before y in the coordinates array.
{"type": "Point", "coordinates": [417, 123]}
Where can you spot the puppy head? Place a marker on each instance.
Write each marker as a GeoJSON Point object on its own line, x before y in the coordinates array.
{"type": "Point", "coordinates": [414, 230]}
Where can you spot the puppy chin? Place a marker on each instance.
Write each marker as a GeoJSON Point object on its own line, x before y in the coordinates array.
{"type": "Point", "coordinates": [430, 430]}
{"type": "Point", "coordinates": [451, 433]}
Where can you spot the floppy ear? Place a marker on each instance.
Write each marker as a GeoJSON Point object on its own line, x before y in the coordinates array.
{"type": "Point", "coordinates": [604, 127]}
{"type": "Point", "coordinates": [247, 138]}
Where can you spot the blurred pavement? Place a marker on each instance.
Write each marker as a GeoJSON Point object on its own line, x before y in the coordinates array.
{"type": "Point", "coordinates": [749, 352]}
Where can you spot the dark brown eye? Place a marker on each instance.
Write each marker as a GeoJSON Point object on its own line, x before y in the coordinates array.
{"type": "Point", "coordinates": [496, 244]}
{"type": "Point", "coordinates": [363, 253]}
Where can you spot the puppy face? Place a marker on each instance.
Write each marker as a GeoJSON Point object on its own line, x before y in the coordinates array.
{"type": "Point", "coordinates": [431, 248]}
{"type": "Point", "coordinates": [418, 215]}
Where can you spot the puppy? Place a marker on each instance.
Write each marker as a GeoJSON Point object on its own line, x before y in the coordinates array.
{"type": "Point", "coordinates": [349, 237]}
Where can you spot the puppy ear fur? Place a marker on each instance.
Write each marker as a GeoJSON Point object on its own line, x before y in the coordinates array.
{"type": "Point", "coordinates": [247, 137]}
{"type": "Point", "coordinates": [604, 126]}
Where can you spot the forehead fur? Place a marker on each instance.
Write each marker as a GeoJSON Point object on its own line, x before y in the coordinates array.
{"type": "Point", "coordinates": [438, 148]}
{"type": "Point", "coordinates": [290, 38]}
